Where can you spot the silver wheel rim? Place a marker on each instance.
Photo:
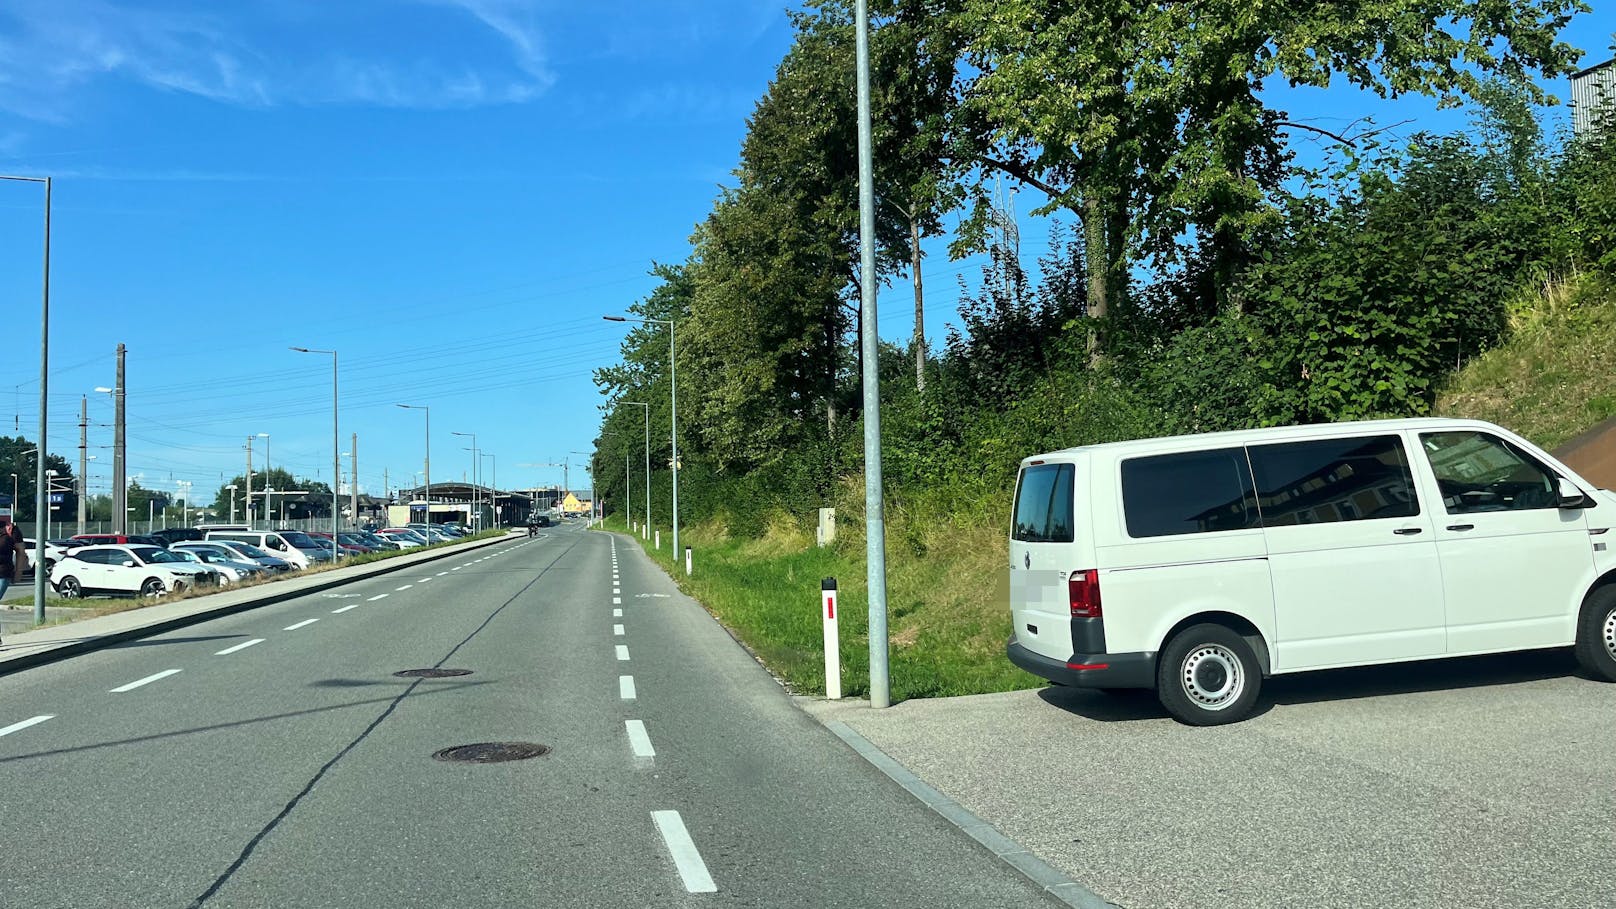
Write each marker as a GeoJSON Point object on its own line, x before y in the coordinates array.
{"type": "Point", "coordinates": [70, 589]}
{"type": "Point", "coordinates": [1608, 633]}
{"type": "Point", "coordinates": [1212, 676]}
{"type": "Point", "coordinates": [152, 589]}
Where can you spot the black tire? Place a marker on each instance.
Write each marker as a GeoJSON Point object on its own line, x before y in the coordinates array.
{"type": "Point", "coordinates": [69, 588]}
{"type": "Point", "coordinates": [152, 587]}
{"type": "Point", "coordinates": [1596, 634]}
{"type": "Point", "coordinates": [50, 565]}
{"type": "Point", "coordinates": [1207, 675]}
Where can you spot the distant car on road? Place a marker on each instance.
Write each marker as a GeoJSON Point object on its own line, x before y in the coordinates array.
{"type": "Point", "coordinates": [127, 571]}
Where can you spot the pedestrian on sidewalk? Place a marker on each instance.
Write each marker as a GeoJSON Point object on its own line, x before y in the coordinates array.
{"type": "Point", "coordinates": [13, 556]}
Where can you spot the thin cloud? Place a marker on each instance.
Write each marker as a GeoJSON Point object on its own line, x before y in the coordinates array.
{"type": "Point", "coordinates": [51, 50]}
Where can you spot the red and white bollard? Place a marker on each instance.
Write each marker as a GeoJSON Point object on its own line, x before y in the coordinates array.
{"type": "Point", "coordinates": [687, 561]}
{"type": "Point", "coordinates": [833, 640]}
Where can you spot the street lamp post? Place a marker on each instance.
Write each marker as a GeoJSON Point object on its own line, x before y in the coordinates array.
{"type": "Point", "coordinates": [41, 497]}
{"type": "Point", "coordinates": [493, 483]}
{"type": "Point", "coordinates": [476, 471]}
{"type": "Point", "coordinates": [336, 452]}
{"type": "Point", "coordinates": [232, 488]}
{"type": "Point", "coordinates": [647, 407]}
{"type": "Point", "coordinates": [428, 411]}
{"type": "Point", "coordinates": [673, 413]}
{"type": "Point", "coordinates": [269, 484]}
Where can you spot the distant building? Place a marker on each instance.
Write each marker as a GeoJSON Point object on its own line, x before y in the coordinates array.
{"type": "Point", "coordinates": [1593, 98]}
{"type": "Point", "coordinates": [571, 504]}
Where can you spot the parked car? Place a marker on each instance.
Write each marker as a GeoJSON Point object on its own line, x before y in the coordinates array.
{"type": "Point", "coordinates": [215, 556]}
{"type": "Point", "coordinates": [248, 552]}
{"type": "Point", "coordinates": [405, 539]}
{"type": "Point", "coordinates": [1227, 558]}
{"type": "Point", "coordinates": [54, 550]}
{"type": "Point", "coordinates": [542, 520]}
{"type": "Point", "coordinates": [267, 540]}
{"type": "Point", "coordinates": [118, 539]}
{"type": "Point", "coordinates": [172, 535]}
{"type": "Point", "coordinates": [367, 541]}
{"type": "Point", "coordinates": [127, 570]}
{"type": "Point", "coordinates": [348, 548]}
{"type": "Point", "coordinates": [306, 544]}
{"type": "Point", "coordinates": [433, 533]}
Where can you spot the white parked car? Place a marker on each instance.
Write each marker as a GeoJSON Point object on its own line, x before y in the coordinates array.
{"type": "Point", "coordinates": [126, 570]}
{"type": "Point", "coordinates": [230, 565]}
{"type": "Point", "coordinates": [1199, 565]}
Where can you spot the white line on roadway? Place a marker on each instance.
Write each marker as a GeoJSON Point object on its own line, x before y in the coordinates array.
{"type": "Point", "coordinates": [300, 624]}
{"type": "Point", "coordinates": [405, 587]}
{"type": "Point", "coordinates": [457, 568]}
{"type": "Point", "coordinates": [35, 721]}
{"type": "Point", "coordinates": [242, 646]}
{"type": "Point", "coordinates": [617, 601]}
{"type": "Point", "coordinates": [145, 681]}
{"type": "Point", "coordinates": [423, 580]}
{"type": "Point", "coordinates": [379, 596]}
{"type": "Point", "coordinates": [617, 630]}
{"type": "Point", "coordinates": [345, 609]}
{"type": "Point", "coordinates": [617, 613]}
{"type": "Point", "coordinates": [692, 870]}
{"type": "Point", "coordinates": [622, 652]}
{"type": "Point", "coordinates": [625, 687]}
{"type": "Point", "coordinates": [638, 740]}
{"type": "Point", "coordinates": [442, 573]}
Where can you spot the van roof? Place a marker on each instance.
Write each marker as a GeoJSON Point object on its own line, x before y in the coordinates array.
{"type": "Point", "coordinates": [1267, 434]}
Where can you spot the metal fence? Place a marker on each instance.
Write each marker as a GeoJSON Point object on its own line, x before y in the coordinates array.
{"type": "Point", "coordinates": [62, 529]}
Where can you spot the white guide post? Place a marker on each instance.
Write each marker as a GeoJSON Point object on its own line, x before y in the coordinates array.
{"type": "Point", "coordinates": [833, 640]}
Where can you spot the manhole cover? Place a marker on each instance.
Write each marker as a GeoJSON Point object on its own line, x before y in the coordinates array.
{"type": "Point", "coordinates": [492, 752]}
{"type": "Point", "coordinates": [431, 673]}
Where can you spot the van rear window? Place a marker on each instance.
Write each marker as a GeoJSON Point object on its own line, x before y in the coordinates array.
{"type": "Point", "coordinates": [1189, 492]}
{"type": "Point", "coordinates": [1043, 511]}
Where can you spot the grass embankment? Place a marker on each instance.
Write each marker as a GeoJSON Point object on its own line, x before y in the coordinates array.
{"type": "Point", "coordinates": [1556, 374]}
{"type": "Point", "coordinates": [947, 620]}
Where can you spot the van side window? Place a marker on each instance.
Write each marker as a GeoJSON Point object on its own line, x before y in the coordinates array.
{"type": "Point", "coordinates": [1044, 504]}
{"type": "Point", "coordinates": [1477, 471]}
{"type": "Point", "coordinates": [1189, 492]}
{"type": "Point", "coordinates": [1329, 480]}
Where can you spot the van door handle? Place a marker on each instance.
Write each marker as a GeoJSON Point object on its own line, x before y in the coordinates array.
{"type": "Point", "coordinates": [1407, 531]}
{"type": "Point", "coordinates": [1461, 527]}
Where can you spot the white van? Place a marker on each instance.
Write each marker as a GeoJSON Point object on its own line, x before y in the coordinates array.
{"type": "Point", "coordinates": [1199, 565]}
{"type": "Point", "coordinates": [267, 540]}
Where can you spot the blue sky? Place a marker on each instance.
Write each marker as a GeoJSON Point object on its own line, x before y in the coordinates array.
{"type": "Point", "coordinates": [449, 192]}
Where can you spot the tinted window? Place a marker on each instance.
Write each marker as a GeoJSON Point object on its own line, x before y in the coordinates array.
{"type": "Point", "coordinates": [1481, 472]}
{"type": "Point", "coordinates": [238, 538]}
{"type": "Point", "coordinates": [1044, 504]}
{"type": "Point", "coordinates": [299, 539]}
{"type": "Point", "coordinates": [1328, 480]}
{"type": "Point", "coordinates": [1191, 492]}
{"type": "Point", "coordinates": [94, 556]}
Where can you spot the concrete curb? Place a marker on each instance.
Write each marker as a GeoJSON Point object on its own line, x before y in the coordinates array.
{"type": "Point", "coordinates": [72, 647]}
{"type": "Point", "coordinates": [1033, 868]}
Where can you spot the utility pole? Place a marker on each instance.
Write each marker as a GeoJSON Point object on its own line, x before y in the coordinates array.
{"type": "Point", "coordinates": [120, 461]}
{"type": "Point", "coordinates": [247, 502]}
{"type": "Point", "coordinates": [84, 452]}
{"type": "Point", "coordinates": [353, 492]}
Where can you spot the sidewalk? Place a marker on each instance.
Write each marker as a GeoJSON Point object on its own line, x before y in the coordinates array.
{"type": "Point", "coordinates": [44, 645]}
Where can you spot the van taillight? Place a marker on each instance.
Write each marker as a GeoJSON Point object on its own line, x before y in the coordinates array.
{"type": "Point", "coordinates": [1084, 590]}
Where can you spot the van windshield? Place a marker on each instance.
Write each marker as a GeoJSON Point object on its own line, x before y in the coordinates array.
{"type": "Point", "coordinates": [1043, 511]}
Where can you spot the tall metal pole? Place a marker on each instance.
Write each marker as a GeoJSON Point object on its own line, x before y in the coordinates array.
{"type": "Point", "coordinates": [120, 459]}
{"type": "Point", "coordinates": [353, 482]}
{"type": "Point", "coordinates": [269, 482]}
{"type": "Point", "coordinates": [476, 472]}
{"type": "Point", "coordinates": [428, 411]}
{"type": "Point", "coordinates": [84, 455]}
{"type": "Point", "coordinates": [673, 428]}
{"type": "Point", "coordinates": [41, 494]}
{"type": "Point", "coordinates": [336, 465]}
{"type": "Point", "coordinates": [875, 552]}
{"type": "Point", "coordinates": [246, 503]}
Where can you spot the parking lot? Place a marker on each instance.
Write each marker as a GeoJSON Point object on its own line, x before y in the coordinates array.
{"type": "Point", "coordinates": [1484, 782]}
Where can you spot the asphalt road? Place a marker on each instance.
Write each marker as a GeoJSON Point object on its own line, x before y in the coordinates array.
{"type": "Point", "coordinates": [272, 758]}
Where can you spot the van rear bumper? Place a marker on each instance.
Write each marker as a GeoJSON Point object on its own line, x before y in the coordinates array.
{"type": "Point", "coordinates": [1099, 670]}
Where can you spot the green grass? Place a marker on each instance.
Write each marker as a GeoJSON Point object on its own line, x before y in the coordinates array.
{"type": "Point", "coordinates": [946, 605]}
{"type": "Point", "coordinates": [1555, 376]}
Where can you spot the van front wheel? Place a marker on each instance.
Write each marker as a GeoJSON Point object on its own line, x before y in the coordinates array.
{"type": "Point", "coordinates": [1207, 675]}
{"type": "Point", "coordinates": [1596, 634]}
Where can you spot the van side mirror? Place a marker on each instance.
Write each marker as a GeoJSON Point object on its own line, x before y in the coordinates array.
{"type": "Point", "coordinates": [1569, 495]}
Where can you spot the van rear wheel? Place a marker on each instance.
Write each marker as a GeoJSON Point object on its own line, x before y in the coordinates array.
{"type": "Point", "coordinates": [1596, 634]}
{"type": "Point", "coordinates": [1207, 675]}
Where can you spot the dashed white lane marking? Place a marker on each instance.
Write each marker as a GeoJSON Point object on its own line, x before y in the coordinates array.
{"type": "Point", "coordinates": [617, 630]}
{"type": "Point", "coordinates": [617, 613]}
{"type": "Point", "coordinates": [242, 646]}
{"type": "Point", "coordinates": [622, 652]}
{"type": "Point", "coordinates": [379, 596]}
{"type": "Point", "coordinates": [625, 687]}
{"type": "Point", "coordinates": [457, 568]}
{"type": "Point", "coordinates": [442, 573]}
{"type": "Point", "coordinates": [692, 870]}
{"type": "Point", "coordinates": [423, 580]}
{"type": "Point", "coordinates": [638, 740]}
{"type": "Point", "coordinates": [617, 601]}
{"type": "Point", "coordinates": [36, 720]}
{"type": "Point", "coordinates": [300, 624]}
{"type": "Point", "coordinates": [145, 681]}
{"type": "Point", "coordinates": [344, 609]}
{"type": "Point", "coordinates": [405, 587]}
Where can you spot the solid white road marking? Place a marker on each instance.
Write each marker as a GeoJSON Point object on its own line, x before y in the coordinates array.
{"type": "Point", "coordinates": [638, 740]}
{"type": "Point", "coordinates": [405, 587]}
{"type": "Point", "coordinates": [617, 630]}
{"type": "Point", "coordinates": [36, 720]}
{"type": "Point", "coordinates": [344, 609]}
{"type": "Point", "coordinates": [692, 870]}
{"type": "Point", "coordinates": [622, 652]}
{"type": "Point", "coordinates": [625, 687]}
{"type": "Point", "coordinates": [617, 613]}
{"type": "Point", "coordinates": [300, 624]}
{"type": "Point", "coordinates": [145, 681]}
{"type": "Point", "coordinates": [242, 646]}
{"type": "Point", "coordinates": [379, 596]}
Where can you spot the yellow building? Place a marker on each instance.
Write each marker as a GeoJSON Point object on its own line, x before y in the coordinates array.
{"type": "Point", "coordinates": [574, 505]}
